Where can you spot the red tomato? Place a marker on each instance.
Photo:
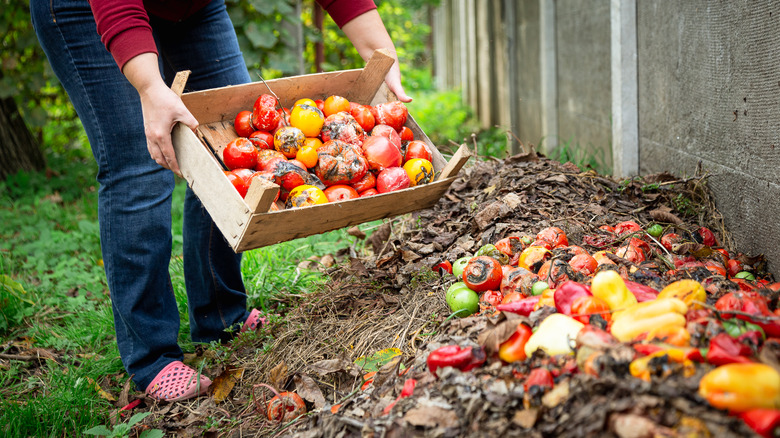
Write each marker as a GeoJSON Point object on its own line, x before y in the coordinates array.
{"type": "Point", "coordinates": [340, 163]}
{"type": "Point", "coordinates": [492, 297]}
{"type": "Point", "coordinates": [389, 132]}
{"type": "Point", "coordinates": [627, 227]}
{"type": "Point", "coordinates": [363, 116]}
{"type": "Point", "coordinates": [555, 236]}
{"type": "Point", "coordinates": [243, 124]}
{"type": "Point", "coordinates": [238, 182]}
{"type": "Point", "coordinates": [631, 253]}
{"type": "Point", "coordinates": [482, 273]}
{"type": "Point", "coordinates": [289, 175]}
{"type": "Point", "coordinates": [381, 154]}
{"type": "Point", "coordinates": [240, 153]}
{"type": "Point", "coordinates": [418, 149]}
{"type": "Point", "coordinates": [510, 245]}
{"type": "Point", "coordinates": [392, 179]}
{"type": "Point", "coordinates": [393, 114]}
{"type": "Point", "coordinates": [340, 192]}
{"type": "Point", "coordinates": [368, 192]}
{"type": "Point", "coordinates": [584, 264]}
{"type": "Point", "coordinates": [262, 139]}
{"type": "Point", "coordinates": [406, 134]}
{"type": "Point", "coordinates": [264, 114]}
{"type": "Point", "coordinates": [607, 228]}
{"type": "Point", "coordinates": [705, 236]}
{"type": "Point", "coordinates": [367, 182]}
{"type": "Point", "coordinates": [669, 240]}
{"type": "Point", "coordinates": [265, 156]}
{"type": "Point", "coordinates": [285, 407]}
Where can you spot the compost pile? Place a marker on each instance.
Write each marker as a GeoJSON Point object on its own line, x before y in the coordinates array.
{"type": "Point", "coordinates": [358, 351]}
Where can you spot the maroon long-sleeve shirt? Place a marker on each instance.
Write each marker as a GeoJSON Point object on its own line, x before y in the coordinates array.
{"type": "Point", "coordinates": [124, 27]}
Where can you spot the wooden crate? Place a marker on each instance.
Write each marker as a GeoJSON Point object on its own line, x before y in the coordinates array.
{"type": "Point", "coordinates": [246, 222]}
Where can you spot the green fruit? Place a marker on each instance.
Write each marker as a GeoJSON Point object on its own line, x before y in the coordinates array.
{"type": "Point", "coordinates": [464, 302]}
{"type": "Point", "coordinates": [539, 287]}
{"type": "Point", "coordinates": [452, 289]}
{"type": "Point", "coordinates": [745, 275]}
{"type": "Point", "coordinates": [460, 265]}
{"type": "Point", "coordinates": [655, 230]}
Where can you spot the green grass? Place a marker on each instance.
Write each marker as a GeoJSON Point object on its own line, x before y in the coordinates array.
{"type": "Point", "coordinates": [53, 297]}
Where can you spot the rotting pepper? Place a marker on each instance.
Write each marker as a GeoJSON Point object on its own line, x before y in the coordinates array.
{"type": "Point", "coordinates": [513, 349]}
{"type": "Point", "coordinates": [522, 307]}
{"type": "Point", "coordinates": [610, 287]}
{"type": "Point", "coordinates": [644, 317]}
{"type": "Point", "coordinates": [690, 291]}
{"type": "Point", "coordinates": [740, 387]}
{"type": "Point", "coordinates": [454, 356]}
{"type": "Point", "coordinates": [554, 335]}
{"type": "Point", "coordinates": [566, 293]}
{"type": "Point", "coordinates": [660, 363]}
{"type": "Point", "coordinates": [764, 422]}
{"type": "Point", "coordinates": [407, 390]}
{"type": "Point", "coordinates": [725, 350]}
{"type": "Point", "coordinates": [586, 306]}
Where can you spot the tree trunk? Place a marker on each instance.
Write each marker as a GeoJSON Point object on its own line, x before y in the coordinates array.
{"type": "Point", "coordinates": [18, 149]}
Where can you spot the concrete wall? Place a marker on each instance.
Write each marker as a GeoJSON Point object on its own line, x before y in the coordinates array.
{"type": "Point", "coordinates": [583, 77]}
{"type": "Point", "coordinates": [709, 93]}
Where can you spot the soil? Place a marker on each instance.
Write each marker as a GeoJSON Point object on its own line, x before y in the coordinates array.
{"type": "Point", "coordinates": [383, 295]}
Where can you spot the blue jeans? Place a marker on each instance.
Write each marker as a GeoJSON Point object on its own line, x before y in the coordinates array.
{"type": "Point", "coordinates": [135, 192]}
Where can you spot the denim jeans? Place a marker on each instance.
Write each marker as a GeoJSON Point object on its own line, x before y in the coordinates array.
{"type": "Point", "coordinates": [135, 192]}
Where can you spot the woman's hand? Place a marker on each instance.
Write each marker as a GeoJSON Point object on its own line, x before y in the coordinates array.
{"type": "Point", "coordinates": [162, 109]}
{"type": "Point", "coordinates": [368, 33]}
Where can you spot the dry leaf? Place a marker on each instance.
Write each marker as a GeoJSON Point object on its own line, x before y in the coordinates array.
{"type": "Point", "coordinates": [662, 215]}
{"type": "Point", "coordinates": [499, 330]}
{"type": "Point", "coordinates": [431, 416]}
{"type": "Point", "coordinates": [379, 237]}
{"type": "Point", "coordinates": [278, 375]}
{"type": "Point", "coordinates": [101, 392]}
{"type": "Point", "coordinates": [356, 232]}
{"type": "Point", "coordinates": [330, 366]}
{"type": "Point", "coordinates": [224, 383]}
{"type": "Point", "coordinates": [525, 418]}
{"type": "Point", "coordinates": [308, 389]}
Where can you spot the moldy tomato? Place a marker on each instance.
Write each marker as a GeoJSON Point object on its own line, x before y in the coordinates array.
{"type": "Point", "coordinates": [340, 163]}
{"type": "Point", "coordinates": [287, 140]}
{"type": "Point", "coordinates": [262, 139]}
{"type": "Point", "coordinates": [367, 182]}
{"type": "Point", "coordinates": [482, 273]}
{"type": "Point", "coordinates": [420, 171]}
{"type": "Point", "coordinates": [343, 127]}
{"type": "Point", "coordinates": [305, 195]}
{"type": "Point", "coordinates": [555, 236]}
{"type": "Point", "coordinates": [285, 407]}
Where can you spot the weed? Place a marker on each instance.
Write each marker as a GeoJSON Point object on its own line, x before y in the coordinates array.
{"type": "Point", "coordinates": [590, 158]}
{"type": "Point", "coordinates": [122, 430]}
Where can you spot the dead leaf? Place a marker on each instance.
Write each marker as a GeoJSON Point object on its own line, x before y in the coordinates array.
{"type": "Point", "coordinates": [431, 416]}
{"type": "Point", "coordinates": [357, 268]}
{"type": "Point", "coordinates": [330, 366]}
{"type": "Point", "coordinates": [662, 215]}
{"type": "Point", "coordinates": [224, 383]}
{"type": "Point", "coordinates": [278, 375]}
{"type": "Point", "coordinates": [356, 232]}
{"type": "Point", "coordinates": [379, 237]}
{"type": "Point", "coordinates": [101, 392]}
{"type": "Point", "coordinates": [327, 260]}
{"type": "Point", "coordinates": [526, 418]}
{"type": "Point", "coordinates": [308, 389]}
{"type": "Point", "coordinates": [385, 379]}
{"type": "Point", "coordinates": [499, 330]}
{"type": "Point", "coordinates": [489, 214]}
{"type": "Point", "coordinates": [523, 158]}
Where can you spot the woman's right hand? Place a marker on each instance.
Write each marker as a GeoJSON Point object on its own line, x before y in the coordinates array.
{"type": "Point", "coordinates": [162, 109]}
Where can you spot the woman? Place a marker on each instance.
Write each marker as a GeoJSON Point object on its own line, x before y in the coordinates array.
{"type": "Point", "coordinates": [114, 58]}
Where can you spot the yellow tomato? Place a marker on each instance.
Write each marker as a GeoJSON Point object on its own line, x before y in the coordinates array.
{"type": "Point", "coordinates": [305, 195]}
{"type": "Point", "coordinates": [308, 154]}
{"type": "Point", "coordinates": [420, 171]}
{"type": "Point", "coordinates": [304, 101]}
{"type": "Point", "coordinates": [307, 118]}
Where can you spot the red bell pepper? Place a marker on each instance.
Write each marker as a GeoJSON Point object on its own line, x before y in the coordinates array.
{"type": "Point", "coordinates": [464, 359]}
{"type": "Point", "coordinates": [513, 349]}
{"type": "Point", "coordinates": [641, 292]}
{"type": "Point", "coordinates": [522, 307]}
{"type": "Point", "coordinates": [541, 377]}
{"type": "Point", "coordinates": [765, 422]}
{"type": "Point", "coordinates": [567, 293]}
{"type": "Point", "coordinates": [724, 350]}
{"type": "Point", "coordinates": [443, 267]}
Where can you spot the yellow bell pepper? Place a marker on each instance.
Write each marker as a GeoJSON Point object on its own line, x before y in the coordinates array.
{"type": "Point", "coordinates": [647, 316]}
{"type": "Point", "coordinates": [671, 334]}
{"type": "Point", "coordinates": [554, 335]}
{"type": "Point", "coordinates": [741, 387]}
{"type": "Point", "coordinates": [610, 287]}
{"type": "Point", "coordinates": [690, 291]}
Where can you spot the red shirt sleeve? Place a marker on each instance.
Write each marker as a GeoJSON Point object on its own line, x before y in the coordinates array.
{"type": "Point", "coordinates": [343, 11]}
{"type": "Point", "coordinates": [123, 26]}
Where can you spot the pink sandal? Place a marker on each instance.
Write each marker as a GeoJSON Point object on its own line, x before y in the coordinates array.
{"type": "Point", "coordinates": [253, 322]}
{"type": "Point", "coordinates": [177, 382]}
